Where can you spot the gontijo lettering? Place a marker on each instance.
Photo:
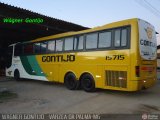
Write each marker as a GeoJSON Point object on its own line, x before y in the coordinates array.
{"type": "Point", "coordinates": [58, 58]}
{"type": "Point", "coordinates": [147, 43]}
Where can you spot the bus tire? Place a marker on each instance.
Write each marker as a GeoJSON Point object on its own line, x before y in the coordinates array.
{"type": "Point", "coordinates": [16, 75]}
{"type": "Point", "coordinates": [71, 82]}
{"type": "Point", "coordinates": [88, 83]}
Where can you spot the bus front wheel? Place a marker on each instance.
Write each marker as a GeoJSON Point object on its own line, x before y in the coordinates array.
{"type": "Point", "coordinates": [70, 81]}
{"type": "Point", "coordinates": [16, 75]}
{"type": "Point", "coordinates": [87, 83]}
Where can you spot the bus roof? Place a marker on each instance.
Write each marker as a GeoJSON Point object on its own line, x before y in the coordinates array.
{"type": "Point", "coordinates": [107, 26]}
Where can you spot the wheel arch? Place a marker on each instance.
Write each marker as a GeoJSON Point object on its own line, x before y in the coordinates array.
{"type": "Point", "coordinates": [84, 73]}
{"type": "Point", "coordinates": [68, 72]}
{"type": "Point", "coordinates": [17, 75]}
{"type": "Point", "coordinates": [16, 70]}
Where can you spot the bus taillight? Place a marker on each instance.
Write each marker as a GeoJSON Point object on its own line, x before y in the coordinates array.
{"type": "Point", "coordinates": [137, 70]}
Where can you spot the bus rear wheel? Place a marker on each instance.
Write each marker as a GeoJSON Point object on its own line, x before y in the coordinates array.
{"type": "Point", "coordinates": [87, 83]}
{"type": "Point", "coordinates": [71, 82]}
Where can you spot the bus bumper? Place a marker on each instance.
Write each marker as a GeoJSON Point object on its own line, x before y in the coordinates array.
{"type": "Point", "coordinates": [142, 84]}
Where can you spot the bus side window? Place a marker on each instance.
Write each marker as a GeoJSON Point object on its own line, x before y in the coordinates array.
{"type": "Point", "coordinates": [18, 50]}
{"type": "Point", "coordinates": [68, 45]}
{"type": "Point", "coordinates": [28, 49]}
{"type": "Point", "coordinates": [75, 42]}
{"type": "Point", "coordinates": [80, 42]}
{"type": "Point", "coordinates": [43, 47]}
{"type": "Point", "coordinates": [51, 46]}
{"type": "Point", "coordinates": [59, 45]}
{"type": "Point", "coordinates": [117, 39]}
{"type": "Point", "coordinates": [124, 37]}
{"type": "Point", "coordinates": [91, 40]}
{"type": "Point", "coordinates": [104, 39]}
{"type": "Point", "coordinates": [37, 48]}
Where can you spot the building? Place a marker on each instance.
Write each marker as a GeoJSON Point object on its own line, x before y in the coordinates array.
{"type": "Point", "coordinates": [19, 32]}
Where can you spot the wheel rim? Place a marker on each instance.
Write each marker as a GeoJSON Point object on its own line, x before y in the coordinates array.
{"type": "Point", "coordinates": [87, 83]}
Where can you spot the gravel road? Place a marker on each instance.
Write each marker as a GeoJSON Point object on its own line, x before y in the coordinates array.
{"type": "Point", "coordinates": [45, 97]}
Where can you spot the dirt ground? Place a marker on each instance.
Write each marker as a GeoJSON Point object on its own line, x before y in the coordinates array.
{"type": "Point", "coordinates": [44, 97]}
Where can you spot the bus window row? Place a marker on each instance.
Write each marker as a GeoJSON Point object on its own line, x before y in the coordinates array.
{"type": "Point", "coordinates": [108, 39]}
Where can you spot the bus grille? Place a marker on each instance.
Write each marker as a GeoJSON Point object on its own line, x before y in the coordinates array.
{"type": "Point", "coordinates": [116, 78]}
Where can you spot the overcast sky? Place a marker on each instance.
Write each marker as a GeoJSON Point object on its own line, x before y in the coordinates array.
{"type": "Point", "coordinates": [92, 13]}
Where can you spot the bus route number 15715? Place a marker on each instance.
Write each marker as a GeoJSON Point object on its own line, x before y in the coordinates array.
{"type": "Point", "coordinates": [115, 57]}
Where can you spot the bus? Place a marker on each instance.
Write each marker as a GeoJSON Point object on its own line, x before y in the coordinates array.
{"type": "Point", "coordinates": [117, 56]}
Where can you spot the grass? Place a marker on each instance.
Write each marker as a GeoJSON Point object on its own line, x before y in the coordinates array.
{"type": "Point", "coordinates": [7, 95]}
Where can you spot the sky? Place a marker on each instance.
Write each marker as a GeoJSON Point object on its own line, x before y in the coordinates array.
{"type": "Point", "coordinates": [93, 13]}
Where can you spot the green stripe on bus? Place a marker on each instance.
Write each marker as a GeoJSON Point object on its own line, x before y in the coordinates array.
{"type": "Point", "coordinates": [35, 66]}
{"type": "Point", "coordinates": [26, 65]}
{"type": "Point", "coordinates": [31, 66]}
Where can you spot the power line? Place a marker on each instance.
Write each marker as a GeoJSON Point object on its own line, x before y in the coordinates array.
{"type": "Point", "coordinates": [152, 6]}
{"type": "Point", "coordinates": [149, 7]}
